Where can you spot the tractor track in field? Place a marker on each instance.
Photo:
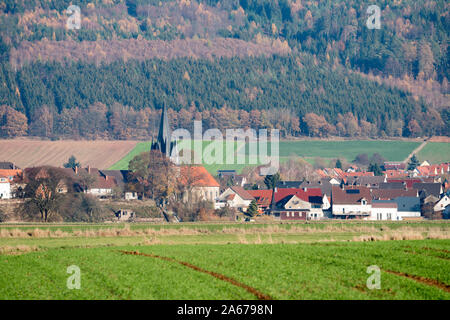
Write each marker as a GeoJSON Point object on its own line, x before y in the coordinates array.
{"type": "Point", "coordinates": [258, 294]}
{"type": "Point", "coordinates": [427, 281]}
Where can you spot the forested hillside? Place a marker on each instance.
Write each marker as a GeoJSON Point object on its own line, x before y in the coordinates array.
{"type": "Point", "coordinates": [314, 62]}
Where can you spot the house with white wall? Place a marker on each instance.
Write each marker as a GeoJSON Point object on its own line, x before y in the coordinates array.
{"type": "Point", "coordinates": [235, 197]}
{"type": "Point", "coordinates": [349, 202]}
{"type": "Point", "coordinates": [5, 188]}
{"type": "Point", "coordinates": [384, 210]}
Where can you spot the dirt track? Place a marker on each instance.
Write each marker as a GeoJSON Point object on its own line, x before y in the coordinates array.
{"type": "Point", "coordinates": [258, 294]}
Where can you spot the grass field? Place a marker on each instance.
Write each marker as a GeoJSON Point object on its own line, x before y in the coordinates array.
{"type": "Point", "coordinates": [435, 152]}
{"type": "Point", "coordinates": [390, 150]}
{"type": "Point", "coordinates": [323, 260]}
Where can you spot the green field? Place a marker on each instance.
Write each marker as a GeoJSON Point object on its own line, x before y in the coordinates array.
{"type": "Point", "coordinates": [390, 150]}
{"type": "Point", "coordinates": [435, 152]}
{"type": "Point", "coordinates": [226, 261]}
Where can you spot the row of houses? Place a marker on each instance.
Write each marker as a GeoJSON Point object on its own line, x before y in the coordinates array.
{"type": "Point", "coordinates": [103, 183]}
{"type": "Point", "coordinates": [391, 170]}
{"type": "Point", "coordinates": [368, 198]}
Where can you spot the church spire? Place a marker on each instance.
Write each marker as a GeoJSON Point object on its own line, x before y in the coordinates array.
{"type": "Point", "coordinates": [163, 143]}
{"type": "Point", "coordinates": [164, 132]}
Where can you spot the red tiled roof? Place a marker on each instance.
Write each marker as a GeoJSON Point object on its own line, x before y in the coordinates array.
{"type": "Point", "coordinates": [10, 172]}
{"type": "Point", "coordinates": [358, 174]}
{"type": "Point", "coordinates": [262, 197]}
{"type": "Point", "coordinates": [231, 196]}
{"type": "Point", "coordinates": [198, 176]}
{"type": "Point", "coordinates": [395, 173]}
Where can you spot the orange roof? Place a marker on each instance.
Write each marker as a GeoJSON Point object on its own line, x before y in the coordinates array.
{"type": "Point", "coordinates": [263, 197]}
{"type": "Point", "coordinates": [395, 173]}
{"type": "Point", "coordinates": [359, 174]}
{"type": "Point", "coordinates": [197, 176]}
{"type": "Point", "coordinates": [10, 172]}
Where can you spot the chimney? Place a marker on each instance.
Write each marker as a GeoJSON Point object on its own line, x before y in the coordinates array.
{"type": "Point", "coordinates": [76, 169]}
{"type": "Point", "coordinates": [106, 178]}
{"type": "Point", "coordinates": [89, 168]}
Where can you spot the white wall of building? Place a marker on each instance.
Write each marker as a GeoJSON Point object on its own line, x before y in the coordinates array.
{"type": "Point", "coordinates": [5, 190]}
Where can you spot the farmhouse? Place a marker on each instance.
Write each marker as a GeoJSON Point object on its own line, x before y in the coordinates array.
{"type": "Point", "coordinates": [5, 188]}
{"type": "Point", "coordinates": [235, 197]}
{"type": "Point", "coordinates": [442, 203]}
{"type": "Point", "coordinates": [297, 204]}
{"type": "Point", "coordinates": [351, 202]}
{"type": "Point", "coordinates": [263, 199]}
{"type": "Point", "coordinates": [100, 184]}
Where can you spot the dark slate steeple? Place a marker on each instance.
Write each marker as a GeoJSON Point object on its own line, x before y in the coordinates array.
{"type": "Point", "coordinates": [164, 144]}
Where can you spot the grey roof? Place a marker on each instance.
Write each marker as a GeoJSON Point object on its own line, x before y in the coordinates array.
{"type": "Point", "coordinates": [121, 176]}
{"type": "Point", "coordinates": [289, 184]}
{"type": "Point", "coordinates": [323, 184]}
{"type": "Point", "coordinates": [408, 203]}
{"type": "Point", "coordinates": [7, 165]}
{"type": "Point", "coordinates": [429, 188]}
{"type": "Point", "coordinates": [364, 181]}
{"type": "Point", "coordinates": [392, 185]}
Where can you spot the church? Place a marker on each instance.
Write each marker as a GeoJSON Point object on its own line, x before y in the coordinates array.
{"type": "Point", "coordinates": [203, 186]}
{"type": "Point", "coordinates": [164, 143]}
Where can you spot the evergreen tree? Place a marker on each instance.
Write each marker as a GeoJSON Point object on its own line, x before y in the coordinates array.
{"type": "Point", "coordinates": [375, 168]}
{"type": "Point", "coordinates": [252, 209]}
{"type": "Point", "coordinates": [413, 163]}
{"type": "Point", "coordinates": [272, 180]}
{"type": "Point", "coordinates": [72, 163]}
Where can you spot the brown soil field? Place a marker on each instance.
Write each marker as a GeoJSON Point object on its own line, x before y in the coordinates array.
{"type": "Point", "coordinates": [439, 139]}
{"type": "Point", "coordinates": [98, 154]}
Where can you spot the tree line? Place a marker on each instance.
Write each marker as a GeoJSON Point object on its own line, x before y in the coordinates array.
{"type": "Point", "coordinates": [122, 100]}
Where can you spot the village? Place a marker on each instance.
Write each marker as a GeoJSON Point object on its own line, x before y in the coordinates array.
{"type": "Point", "coordinates": [394, 191]}
{"type": "Point", "coordinates": [397, 194]}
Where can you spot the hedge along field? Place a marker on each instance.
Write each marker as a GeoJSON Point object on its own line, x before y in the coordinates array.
{"type": "Point", "coordinates": [435, 152]}
{"type": "Point", "coordinates": [335, 270]}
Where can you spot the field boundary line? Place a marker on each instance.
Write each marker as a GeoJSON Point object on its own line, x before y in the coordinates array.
{"type": "Point", "coordinates": [427, 281]}
{"type": "Point", "coordinates": [258, 294]}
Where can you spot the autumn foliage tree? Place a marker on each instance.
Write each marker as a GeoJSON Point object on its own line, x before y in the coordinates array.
{"type": "Point", "coordinates": [154, 175]}
{"type": "Point", "coordinates": [12, 123]}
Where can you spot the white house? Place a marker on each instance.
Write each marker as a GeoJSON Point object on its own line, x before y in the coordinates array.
{"type": "Point", "coordinates": [351, 202]}
{"type": "Point", "coordinates": [5, 188]}
{"type": "Point", "coordinates": [408, 207]}
{"type": "Point", "coordinates": [235, 197]}
{"type": "Point", "coordinates": [442, 204]}
{"type": "Point", "coordinates": [384, 210]}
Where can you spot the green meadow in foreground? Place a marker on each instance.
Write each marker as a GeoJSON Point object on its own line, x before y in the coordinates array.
{"type": "Point", "coordinates": [409, 270]}
{"type": "Point", "coordinates": [226, 261]}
